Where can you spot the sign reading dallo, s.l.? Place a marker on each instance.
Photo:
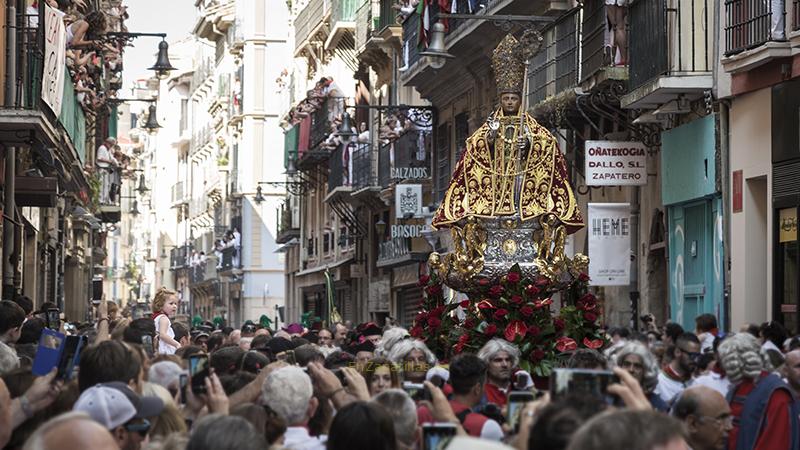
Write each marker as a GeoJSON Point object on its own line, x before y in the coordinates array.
{"type": "Point", "coordinates": [616, 163]}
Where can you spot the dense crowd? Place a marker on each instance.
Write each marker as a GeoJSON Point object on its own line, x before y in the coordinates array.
{"type": "Point", "coordinates": [158, 383]}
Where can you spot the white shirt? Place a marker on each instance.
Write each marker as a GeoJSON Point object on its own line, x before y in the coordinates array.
{"type": "Point", "coordinates": [104, 154]}
{"type": "Point", "coordinates": [668, 388]}
{"type": "Point", "coordinates": [706, 341]}
{"type": "Point", "coordinates": [714, 381]}
{"type": "Point", "coordinates": [297, 438]}
{"type": "Point", "coordinates": [163, 347]}
{"type": "Point", "coordinates": [492, 431]}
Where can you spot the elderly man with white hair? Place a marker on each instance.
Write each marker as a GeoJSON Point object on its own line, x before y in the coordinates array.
{"type": "Point", "coordinates": [764, 410]}
{"type": "Point", "coordinates": [414, 358]}
{"type": "Point", "coordinates": [502, 359]}
{"type": "Point", "coordinates": [404, 415]}
{"type": "Point", "coordinates": [289, 392]}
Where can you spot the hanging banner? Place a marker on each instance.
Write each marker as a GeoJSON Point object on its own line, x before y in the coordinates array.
{"type": "Point", "coordinates": [609, 244]}
{"type": "Point", "coordinates": [616, 163]}
{"type": "Point", "coordinates": [55, 50]}
{"type": "Point", "coordinates": [408, 201]}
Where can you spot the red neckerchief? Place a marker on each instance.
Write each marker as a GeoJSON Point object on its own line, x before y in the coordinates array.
{"type": "Point", "coordinates": [670, 373]}
{"type": "Point", "coordinates": [156, 314]}
{"type": "Point", "coordinates": [719, 371]}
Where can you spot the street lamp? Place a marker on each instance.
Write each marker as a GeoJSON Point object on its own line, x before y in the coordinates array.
{"type": "Point", "coordinates": [162, 67]}
{"type": "Point", "coordinates": [135, 209]}
{"type": "Point", "coordinates": [259, 196]}
{"type": "Point", "coordinates": [436, 52]}
{"type": "Point", "coordinates": [346, 132]}
{"type": "Point", "coordinates": [152, 121]}
{"type": "Point", "coordinates": [142, 188]}
{"type": "Point", "coordinates": [380, 228]}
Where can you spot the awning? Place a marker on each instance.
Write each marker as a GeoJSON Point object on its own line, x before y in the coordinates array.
{"type": "Point", "coordinates": [283, 248]}
{"type": "Point", "coordinates": [324, 267]}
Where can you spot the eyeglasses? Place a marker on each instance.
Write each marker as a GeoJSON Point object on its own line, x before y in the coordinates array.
{"type": "Point", "coordinates": [725, 421]}
{"type": "Point", "coordinates": [142, 427]}
{"type": "Point", "coordinates": [692, 355]}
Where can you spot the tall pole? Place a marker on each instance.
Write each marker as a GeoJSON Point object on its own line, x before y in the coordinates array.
{"type": "Point", "coordinates": [634, 281]}
{"type": "Point", "coordinates": [10, 161]}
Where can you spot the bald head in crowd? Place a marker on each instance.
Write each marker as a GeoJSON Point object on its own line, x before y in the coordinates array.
{"type": "Point", "coordinates": [707, 418]}
{"type": "Point", "coordinates": [71, 431]}
{"type": "Point", "coordinates": [791, 370]}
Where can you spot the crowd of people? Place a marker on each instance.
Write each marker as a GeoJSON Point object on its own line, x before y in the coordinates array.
{"type": "Point", "coordinates": [373, 387]}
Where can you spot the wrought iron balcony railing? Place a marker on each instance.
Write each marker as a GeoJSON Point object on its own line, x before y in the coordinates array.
{"type": "Point", "coordinates": [751, 23]}
{"type": "Point", "coordinates": [555, 68]}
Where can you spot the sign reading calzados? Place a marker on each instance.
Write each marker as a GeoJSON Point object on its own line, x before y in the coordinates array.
{"type": "Point", "coordinates": [615, 163]}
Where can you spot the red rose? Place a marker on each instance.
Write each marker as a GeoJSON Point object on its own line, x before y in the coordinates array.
{"type": "Point", "coordinates": [485, 304]}
{"type": "Point", "coordinates": [415, 332]}
{"type": "Point", "coordinates": [583, 276]}
{"type": "Point", "coordinates": [434, 289]}
{"type": "Point", "coordinates": [462, 342]}
{"type": "Point", "coordinates": [516, 299]}
{"type": "Point", "coordinates": [534, 331]}
{"type": "Point", "coordinates": [542, 303]}
{"type": "Point", "coordinates": [513, 277]}
{"type": "Point", "coordinates": [559, 324]}
{"type": "Point", "coordinates": [531, 290]}
{"type": "Point", "coordinates": [537, 355]}
{"type": "Point", "coordinates": [483, 282]}
{"type": "Point", "coordinates": [496, 290]}
{"type": "Point", "coordinates": [423, 280]}
{"type": "Point", "coordinates": [500, 314]}
{"type": "Point", "coordinates": [526, 311]}
{"type": "Point", "coordinates": [469, 324]}
{"type": "Point", "coordinates": [566, 344]}
{"type": "Point", "coordinates": [421, 316]}
{"type": "Point", "coordinates": [434, 323]}
{"type": "Point", "coordinates": [589, 316]}
{"type": "Point", "coordinates": [542, 282]}
{"type": "Point", "coordinates": [514, 329]}
{"type": "Point", "coordinates": [464, 303]}
{"type": "Point", "coordinates": [593, 344]}
{"type": "Point", "coordinates": [490, 330]}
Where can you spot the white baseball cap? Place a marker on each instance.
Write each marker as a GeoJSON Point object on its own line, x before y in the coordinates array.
{"type": "Point", "coordinates": [106, 405]}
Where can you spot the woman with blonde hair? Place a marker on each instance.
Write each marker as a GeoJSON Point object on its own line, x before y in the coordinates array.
{"type": "Point", "coordinates": [165, 305]}
{"type": "Point", "coordinates": [170, 420]}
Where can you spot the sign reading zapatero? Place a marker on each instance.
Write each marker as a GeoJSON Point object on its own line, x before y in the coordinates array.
{"type": "Point", "coordinates": [610, 163]}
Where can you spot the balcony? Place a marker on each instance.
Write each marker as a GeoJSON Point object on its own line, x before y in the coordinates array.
{"type": "Point", "coordinates": [363, 175]}
{"type": "Point", "coordinates": [320, 141]}
{"type": "Point", "coordinates": [378, 36]}
{"type": "Point", "coordinates": [555, 68]}
{"type": "Point", "coordinates": [755, 33]}
{"type": "Point", "coordinates": [178, 196]}
{"type": "Point", "coordinates": [108, 182]}
{"type": "Point", "coordinates": [231, 259]}
{"type": "Point", "coordinates": [343, 21]}
{"type": "Point", "coordinates": [26, 120]}
{"type": "Point", "coordinates": [339, 170]}
{"type": "Point", "coordinates": [179, 257]}
{"type": "Point", "coordinates": [200, 141]}
{"type": "Point", "coordinates": [671, 57]}
{"type": "Point", "coordinates": [398, 251]}
{"type": "Point", "coordinates": [310, 24]}
{"type": "Point", "coordinates": [288, 225]}
{"type": "Point", "coordinates": [597, 62]}
{"type": "Point", "coordinates": [203, 271]}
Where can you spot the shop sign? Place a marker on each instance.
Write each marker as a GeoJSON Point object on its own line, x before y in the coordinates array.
{"type": "Point", "coordinates": [616, 163]}
{"type": "Point", "coordinates": [407, 230]}
{"type": "Point", "coordinates": [609, 244]}
{"type": "Point", "coordinates": [55, 53]}
{"type": "Point", "coordinates": [787, 221]}
{"type": "Point", "coordinates": [408, 200]}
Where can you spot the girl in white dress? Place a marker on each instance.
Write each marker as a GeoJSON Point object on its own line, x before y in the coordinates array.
{"type": "Point", "coordinates": [165, 305]}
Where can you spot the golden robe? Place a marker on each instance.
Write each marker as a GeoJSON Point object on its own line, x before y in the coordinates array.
{"type": "Point", "coordinates": [485, 180]}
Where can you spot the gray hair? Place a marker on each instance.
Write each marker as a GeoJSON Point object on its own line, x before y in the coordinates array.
{"type": "Point", "coordinates": [403, 348]}
{"type": "Point", "coordinates": [403, 412]}
{"type": "Point", "coordinates": [497, 345]}
{"type": "Point", "coordinates": [288, 391]}
{"type": "Point", "coordinates": [390, 337]}
{"type": "Point", "coordinates": [165, 373]}
{"type": "Point", "coordinates": [740, 357]}
{"type": "Point", "coordinates": [8, 359]}
{"type": "Point", "coordinates": [225, 433]}
{"type": "Point", "coordinates": [36, 441]}
{"type": "Point", "coordinates": [650, 375]}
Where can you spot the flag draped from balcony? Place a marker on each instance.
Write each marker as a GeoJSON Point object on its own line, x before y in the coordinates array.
{"type": "Point", "coordinates": [333, 313]}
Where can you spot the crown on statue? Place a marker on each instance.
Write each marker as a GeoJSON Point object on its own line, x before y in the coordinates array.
{"type": "Point", "coordinates": [508, 62]}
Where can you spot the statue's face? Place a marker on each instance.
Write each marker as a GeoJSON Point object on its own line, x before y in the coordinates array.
{"type": "Point", "coordinates": [510, 102]}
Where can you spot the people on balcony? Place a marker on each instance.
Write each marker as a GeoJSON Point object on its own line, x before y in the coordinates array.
{"type": "Point", "coordinates": [107, 166]}
{"type": "Point", "coordinates": [616, 12]}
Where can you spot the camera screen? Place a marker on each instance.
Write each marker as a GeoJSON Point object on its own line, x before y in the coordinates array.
{"type": "Point", "coordinates": [198, 371]}
{"type": "Point", "coordinates": [434, 436]}
{"type": "Point", "coordinates": [581, 382]}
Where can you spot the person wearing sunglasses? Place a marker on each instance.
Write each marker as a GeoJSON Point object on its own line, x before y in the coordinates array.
{"type": "Point", "coordinates": [677, 375]}
{"type": "Point", "coordinates": [121, 411]}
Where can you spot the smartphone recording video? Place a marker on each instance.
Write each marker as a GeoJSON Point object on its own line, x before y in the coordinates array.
{"type": "Point", "coordinates": [53, 318]}
{"type": "Point", "coordinates": [198, 371]}
{"type": "Point", "coordinates": [434, 435]}
{"type": "Point", "coordinates": [517, 401]}
{"type": "Point", "coordinates": [582, 382]}
{"type": "Point", "coordinates": [183, 381]}
{"type": "Point", "coordinates": [417, 391]}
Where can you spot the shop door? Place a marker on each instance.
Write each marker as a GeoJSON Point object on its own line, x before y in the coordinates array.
{"type": "Point", "coordinates": [695, 253]}
{"type": "Point", "coordinates": [787, 262]}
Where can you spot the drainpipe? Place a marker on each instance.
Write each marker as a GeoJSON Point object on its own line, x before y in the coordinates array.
{"type": "Point", "coordinates": [634, 281]}
{"type": "Point", "coordinates": [725, 162]}
{"type": "Point", "coordinates": [9, 207]}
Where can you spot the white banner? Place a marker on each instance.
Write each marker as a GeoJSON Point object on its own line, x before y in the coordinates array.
{"type": "Point", "coordinates": [609, 244]}
{"type": "Point", "coordinates": [408, 200]}
{"type": "Point", "coordinates": [55, 50]}
{"type": "Point", "coordinates": [616, 163]}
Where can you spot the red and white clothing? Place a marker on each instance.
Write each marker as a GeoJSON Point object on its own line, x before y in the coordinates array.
{"type": "Point", "coordinates": [776, 432]}
{"type": "Point", "coordinates": [670, 384]}
{"type": "Point", "coordinates": [163, 347]}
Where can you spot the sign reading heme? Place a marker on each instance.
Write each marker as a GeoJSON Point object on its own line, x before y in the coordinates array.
{"type": "Point", "coordinates": [616, 163]}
